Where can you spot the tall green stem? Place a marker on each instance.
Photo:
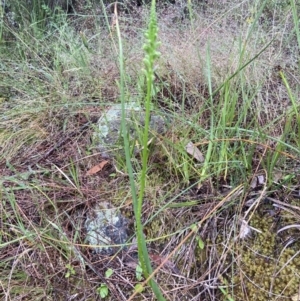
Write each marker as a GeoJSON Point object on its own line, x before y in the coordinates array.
{"type": "Point", "coordinates": [151, 54]}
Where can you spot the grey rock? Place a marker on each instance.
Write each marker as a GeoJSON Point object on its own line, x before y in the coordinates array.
{"type": "Point", "coordinates": [109, 137]}
{"type": "Point", "coordinates": [106, 227]}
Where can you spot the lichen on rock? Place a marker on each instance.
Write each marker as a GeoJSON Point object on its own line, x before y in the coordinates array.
{"type": "Point", "coordinates": [106, 229]}
{"type": "Point", "coordinates": [109, 136]}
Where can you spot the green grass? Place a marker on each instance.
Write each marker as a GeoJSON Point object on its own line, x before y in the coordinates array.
{"type": "Point", "coordinates": [227, 81]}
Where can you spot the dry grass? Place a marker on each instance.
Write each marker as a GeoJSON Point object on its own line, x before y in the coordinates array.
{"type": "Point", "coordinates": [51, 99]}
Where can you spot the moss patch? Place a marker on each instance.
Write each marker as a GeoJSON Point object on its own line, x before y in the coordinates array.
{"type": "Point", "coordinates": [264, 270]}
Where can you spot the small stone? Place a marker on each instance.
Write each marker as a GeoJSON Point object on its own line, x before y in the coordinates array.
{"type": "Point", "coordinates": [109, 136]}
{"type": "Point", "coordinates": [106, 227]}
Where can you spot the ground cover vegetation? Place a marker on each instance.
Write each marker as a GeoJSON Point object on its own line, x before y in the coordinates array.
{"type": "Point", "coordinates": [213, 203]}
